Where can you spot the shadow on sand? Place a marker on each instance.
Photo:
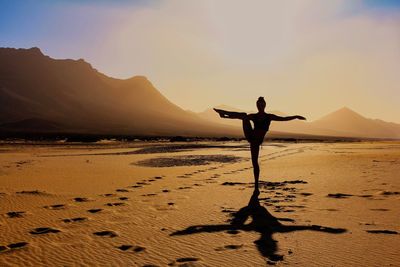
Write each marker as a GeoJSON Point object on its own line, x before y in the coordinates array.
{"type": "Point", "coordinates": [262, 222]}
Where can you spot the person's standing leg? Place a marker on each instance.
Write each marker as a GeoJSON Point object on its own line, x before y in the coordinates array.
{"type": "Point", "coordinates": [255, 149]}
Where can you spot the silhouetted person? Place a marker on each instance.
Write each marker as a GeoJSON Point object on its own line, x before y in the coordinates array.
{"type": "Point", "coordinates": [255, 136]}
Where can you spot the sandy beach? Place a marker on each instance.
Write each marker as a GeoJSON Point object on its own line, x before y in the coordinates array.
{"type": "Point", "coordinates": [184, 204]}
{"type": "Point", "coordinates": [199, 133]}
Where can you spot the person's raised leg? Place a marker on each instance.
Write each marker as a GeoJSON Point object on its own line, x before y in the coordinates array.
{"type": "Point", "coordinates": [255, 149]}
{"type": "Point", "coordinates": [230, 114]}
{"type": "Point", "coordinates": [247, 130]}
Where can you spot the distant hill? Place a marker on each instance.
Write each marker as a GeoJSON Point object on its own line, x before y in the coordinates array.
{"type": "Point", "coordinates": [354, 124]}
{"type": "Point", "coordinates": [342, 123]}
{"type": "Point", "coordinates": [71, 96]}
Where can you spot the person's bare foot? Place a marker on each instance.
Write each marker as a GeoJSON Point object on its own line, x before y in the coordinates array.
{"type": "Point", "coordinates": [220, 112]}
{"type": "Point", "coordinates": [300, 118]}
{"type": "Point", "coordinates": [254, 198]}
{"type": "Point", "coordinates": [256, 192]}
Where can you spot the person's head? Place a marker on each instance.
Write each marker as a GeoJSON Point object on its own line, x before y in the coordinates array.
{"type": "Point", "coordinates": [261, 104]}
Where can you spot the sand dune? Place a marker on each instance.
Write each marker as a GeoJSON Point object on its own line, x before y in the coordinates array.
{"type": "Point", "coordinates": [321, 204]}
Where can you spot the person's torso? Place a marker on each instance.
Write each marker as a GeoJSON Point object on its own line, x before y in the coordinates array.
{"type": "Point", "coordinates": [261, 122]}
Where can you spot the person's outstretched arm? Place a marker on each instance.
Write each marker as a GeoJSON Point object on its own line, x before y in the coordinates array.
{"type": "Point", "coordinates": [274, 117]}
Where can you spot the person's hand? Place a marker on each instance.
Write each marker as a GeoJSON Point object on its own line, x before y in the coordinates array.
{"type": "Point", "coordinates": [300, 118]}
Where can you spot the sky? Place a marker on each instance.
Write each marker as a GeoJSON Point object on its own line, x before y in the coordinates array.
{"type": "Point", "coordinates": [308, 57]}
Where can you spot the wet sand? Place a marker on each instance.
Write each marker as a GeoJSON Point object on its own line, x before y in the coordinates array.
{"type": "Point", "coordinates": [157, 204]}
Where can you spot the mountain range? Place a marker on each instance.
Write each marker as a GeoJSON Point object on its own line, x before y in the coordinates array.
{"type": "Point", "coordinates": [42, 94]}
{"type": "Point", "coordinates": [38, 93]}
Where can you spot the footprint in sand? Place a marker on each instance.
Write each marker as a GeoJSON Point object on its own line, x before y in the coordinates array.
{"type": "Point", "coordinates": [15, 214]}
{"type": "Point", "coordinates": [122, 190]}
{"type": "Point", "coordinates": [55, 207]}
{"type": "Point", "coordinates": [32, 192]}
{"type": "Point", "coordinates": [115, 204]}
{"type": "Point", "coordinates": [132, 248]}
{"type": "Point", "coordinates": [165, 191]}
{"type": "Point", "coordinates": [284, 210]}
{"type": "Point", "coordinates": [123, 198]}
{"type": "Point", "coordinates": [124, 247]}
{"type": "Point", "coordinates": [13, 246]}
{"type": "Point", "coordinates": [94, 210]}
{"type": "Point", "coordinates": [290, 197]}
{"type": "Point", "coordinates": [108, 195]}
{"type": "Point", "coordinates": [305, 194]}
{"type": "Point", "coordinates": [158, 177]}
{"type": "Point", "coordinates": [366, 223]}
{"type": "Point", "coordinates": [184, 187]}
{"type": "Point", "coordinates": [232, 183]}
{"type": "Point", "coordinates": [366, 196]}
{"type": "Point", "coordinates": [339, 195]}
{"type": "Point", "coordinates": [77, 219]}
{"type": "Point", "coordinates": [81, 199]}
{"type": "Point", "coordinates": [43, 230]}
{"type": "Point", "coordinates": [187, 259]}
{"type": "Point", "coordinates": [229, 247]}
{"type": "Point", "coordinates": [389, 193]}
{"type": "Point", "coordinates": [389, 232]}
{"type": "Point", "coordinates": [149, 195]}
{"type": "Point", "coordinates": [331, 209]}
{"type": "Point", "coordinates": [106, 233]}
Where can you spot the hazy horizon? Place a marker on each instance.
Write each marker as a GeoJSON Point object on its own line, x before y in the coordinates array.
{"type": "Point", "coordinates": [305, 57]}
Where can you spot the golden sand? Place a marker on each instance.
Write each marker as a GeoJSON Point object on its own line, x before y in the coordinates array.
{"type": "Point", "coordinates": [321, 204]}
